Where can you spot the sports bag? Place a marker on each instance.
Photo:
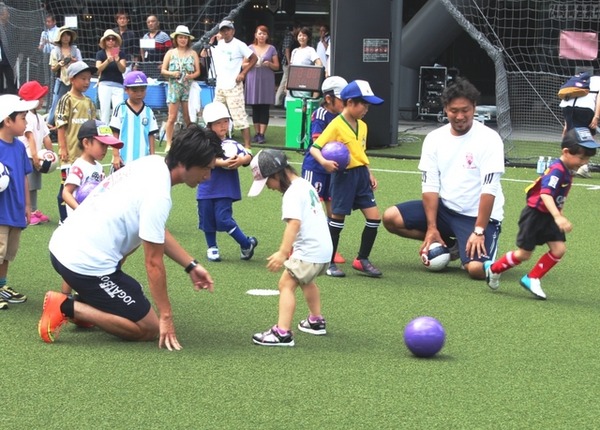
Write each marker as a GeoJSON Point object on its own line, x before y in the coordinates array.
{"type": "Point", "coordinates": [576, 86]}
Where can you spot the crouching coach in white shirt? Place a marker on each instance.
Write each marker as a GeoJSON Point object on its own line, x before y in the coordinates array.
{"type": "Point", "coordinates": [462, 204]}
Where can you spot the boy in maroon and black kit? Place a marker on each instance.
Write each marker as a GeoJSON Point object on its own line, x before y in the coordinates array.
{"type": "Point", "coordinates": [542, 221]}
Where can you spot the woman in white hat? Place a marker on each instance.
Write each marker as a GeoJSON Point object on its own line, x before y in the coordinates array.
{"type": "Point", "coordinates": [63, 53]}
{"type": "Point", "coordinates": [111, 67]}
{"type": "Point", "coordinates": [181, 65]}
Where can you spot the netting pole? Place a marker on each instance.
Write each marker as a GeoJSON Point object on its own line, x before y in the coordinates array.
{"type": "Point", "coordinates": [502, 99]}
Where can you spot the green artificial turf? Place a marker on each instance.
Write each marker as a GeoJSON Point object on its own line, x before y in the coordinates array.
{"type": "Point", "coordinates": [510, 361]}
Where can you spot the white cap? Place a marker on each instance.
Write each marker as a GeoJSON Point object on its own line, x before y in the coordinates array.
{"type": "Point", "coordinates": [266, 163]}
{"type": "Point", "coordinates": [9, 104]}
{"type": "Point", "coordinates": [335, 84]}
{"type": "Point", "coordinates": [214, 111]}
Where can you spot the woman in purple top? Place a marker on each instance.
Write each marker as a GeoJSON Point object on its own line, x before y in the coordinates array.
{"type": "Point", "coordinates": [260, 82]}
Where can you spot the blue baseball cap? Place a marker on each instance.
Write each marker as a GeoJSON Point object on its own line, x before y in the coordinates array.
{"type": "Point", "coordinates": [583, 137]}
{"type": "Point", "coordinates": [360, 89]}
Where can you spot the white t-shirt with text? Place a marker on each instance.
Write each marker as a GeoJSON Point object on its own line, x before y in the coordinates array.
{"type": "Point", "coordinates": [129, 206]}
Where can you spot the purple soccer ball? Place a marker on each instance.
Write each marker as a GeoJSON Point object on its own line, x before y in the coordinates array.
{"type": "Point", "coordinates": [338, 152]}
{"type": "Point", "coordinates": [424, 336]}
{"type": "Point", "coordinates": [84, 190]}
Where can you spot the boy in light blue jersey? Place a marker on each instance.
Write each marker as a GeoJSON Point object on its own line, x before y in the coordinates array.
{"type": "Point", "coordinates": [133, 122]}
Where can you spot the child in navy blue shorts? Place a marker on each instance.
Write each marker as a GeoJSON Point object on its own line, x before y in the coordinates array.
{"type": "Point", "coordinates": [312, 171]}
{"type": "Point", "coordinates": [542, 220]}
{"type": "Point", "coordinates": [353, 187]}
{"type": "Point", "coordinates": [216, 196]}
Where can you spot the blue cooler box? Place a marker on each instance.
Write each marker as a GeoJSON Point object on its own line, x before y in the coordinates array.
{"type": "Point", "coordinates": [92, 91]}
{"type": "Point", "coordinates": [207, 94]}
{"type": "Point", "coordinates": [156, 96]}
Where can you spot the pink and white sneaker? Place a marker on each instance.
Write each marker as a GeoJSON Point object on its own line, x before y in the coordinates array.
{"type": "Point", "coordinates": [41, 216]}
{"type": "Point", "coordinates": [34, 220]}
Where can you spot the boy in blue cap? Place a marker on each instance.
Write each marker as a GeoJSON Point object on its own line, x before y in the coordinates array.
{"type": "Point", "coordinates": [352, 188]}
{"type": "Point", "coordinates": [542, 220]}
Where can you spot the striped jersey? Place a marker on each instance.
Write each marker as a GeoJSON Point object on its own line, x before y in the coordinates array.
{"type": "Point", "coordinates": [556, 181]}
{"type": "Point", "coordinates": [134, 130]}
{"type": "Point", "coordinates": [319, 120]}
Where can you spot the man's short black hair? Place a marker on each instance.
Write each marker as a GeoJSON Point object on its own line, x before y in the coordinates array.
{"type": "Point", "coordinates": [461, 87]}
{"type": "Point", "coordinates": [194, 146]}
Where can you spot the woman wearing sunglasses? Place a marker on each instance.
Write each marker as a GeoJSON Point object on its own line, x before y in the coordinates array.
{"type": "Point", "coordinates": [111, 67]}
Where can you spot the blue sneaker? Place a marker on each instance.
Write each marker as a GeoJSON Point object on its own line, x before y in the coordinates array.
{"type": "Point", "coordinates": [334, 272]}
{"type": "Point", "coordinates": [247, 253]}
{"type": "Point", "coordinates": [493, 279]}
{"type": "Point", "coordinates": [534, 286]}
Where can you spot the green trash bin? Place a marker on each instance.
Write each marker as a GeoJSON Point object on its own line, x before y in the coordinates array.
{"type": "Point", "coordinates": [293, 121]}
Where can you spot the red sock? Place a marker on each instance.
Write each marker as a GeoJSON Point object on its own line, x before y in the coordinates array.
{"type": "Point", "coordinates": [544, 264]}
{"type": "Point", "coordinates": [506, 262]}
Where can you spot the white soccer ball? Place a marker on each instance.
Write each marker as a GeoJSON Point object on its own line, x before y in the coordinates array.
{"type": "Point", "coordinates": [4, 177]}
{"type": "Point", "coordinates": [48, 161]}
{"type": "Point", "coordinates": [231, 148]}
{"type": "Point", "coordinates": [436, 258]}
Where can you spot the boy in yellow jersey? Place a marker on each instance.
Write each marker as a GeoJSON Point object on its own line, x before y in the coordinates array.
{"type": "Point", "coordinates": [353, 187]}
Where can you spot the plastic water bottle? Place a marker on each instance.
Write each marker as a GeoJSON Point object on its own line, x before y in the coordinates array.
{"type": "Point", "coordinates": [550, 160]}
{"type": "Point", "coordinates": [541, 165]}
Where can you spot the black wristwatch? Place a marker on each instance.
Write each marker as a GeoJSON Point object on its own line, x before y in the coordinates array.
{"type": "Point", "coordinates": [191, 266]}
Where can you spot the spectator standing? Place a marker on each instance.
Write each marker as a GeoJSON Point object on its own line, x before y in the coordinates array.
{"type": "Point", "coordinates": [323, 43]}
{"type": "Point", "coordinates": [289, 43]}
{"type": "Point", "coordinates": [181, 65]}
{"type": "Point", "coordinates": [128, 39]}
{"type": "Point", "coordinates": [583, 112]}
{"type": "Point", "coordinates": [228, 54]}
{"type": "Point", "coordinates": [111, 66]}
{"type": "Point", "coordinates": [7, 57]}
{"type": "Point", "coordinates": [304, 55]}
{"type": "Point", "coordinates": [162, 41]}
{"type": "Point", "coordinates": [260, 82]}
{"type": "Point", "coordinates": [46, 44]}
{"type": "Point", "coordinates": [64, 53]}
